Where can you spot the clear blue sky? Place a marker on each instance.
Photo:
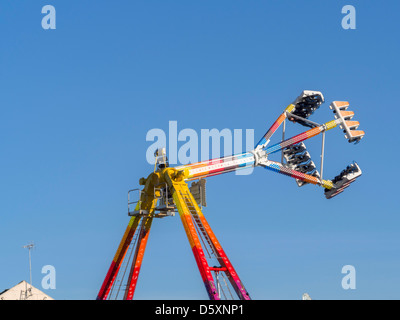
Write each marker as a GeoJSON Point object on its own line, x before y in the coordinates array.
{"type": "Point", "coordinates": [77, 102]}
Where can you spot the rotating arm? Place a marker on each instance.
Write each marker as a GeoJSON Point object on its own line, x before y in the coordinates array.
{"type": "Point", "coordinates": [299, 111]}
{"type": "Point", "coordinates": [208, 168]}
{"type": "Point", "coordinates": [302, 136]}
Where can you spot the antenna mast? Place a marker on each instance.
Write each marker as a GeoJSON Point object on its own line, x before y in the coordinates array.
{"type": "Point", "coordinates": [29, 247]}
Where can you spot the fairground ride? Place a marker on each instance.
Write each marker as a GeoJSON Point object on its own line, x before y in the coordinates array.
{"type": "Point", "coordinates": [166, 191]}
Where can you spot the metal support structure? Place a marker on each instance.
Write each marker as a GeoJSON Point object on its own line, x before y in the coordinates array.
{"type": "Point", "coordinates": [313, 124]}
{"type": "Point", "coordinates": [197, 227]}
{"type": "Point", "coordinates": [201, 239]}
{"type": "Point", "coordinates": [283, 137]}
{"type": "Point", "coordinates": [138, 258]}
{"type": "Point", "coordinates": [321, 172]}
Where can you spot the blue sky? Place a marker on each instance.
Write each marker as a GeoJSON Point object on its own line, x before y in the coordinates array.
{"type": "Point", "coordinates": [77, 102]}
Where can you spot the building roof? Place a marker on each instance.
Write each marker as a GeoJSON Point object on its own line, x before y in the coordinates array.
{"type": "Point", "coordinates": [24, 291]}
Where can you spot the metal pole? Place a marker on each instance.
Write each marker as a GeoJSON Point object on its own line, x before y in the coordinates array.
{"type": "Point", "coordinates": [304, 119]}
{"type": "Point", "coordinates": [29, 247]}
{"type": "Point", "coordinates": [283, 137]}
{"type": "Point", "coordinates": [30, 267]}
{"type": "Point", "coordinates": [218, 285]}
{"type": "Point", "coordinates": [322, 154]}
